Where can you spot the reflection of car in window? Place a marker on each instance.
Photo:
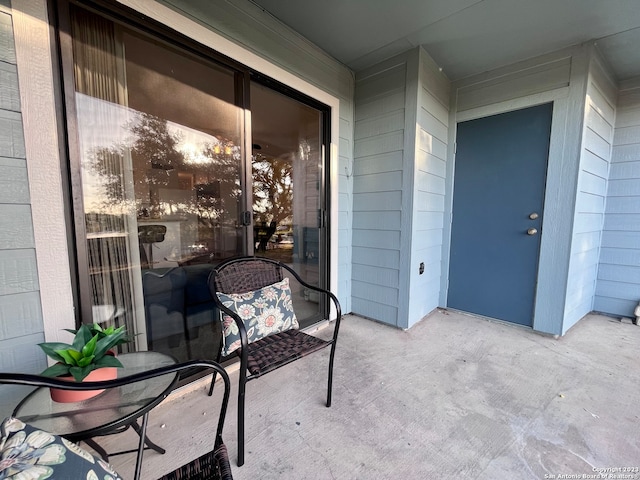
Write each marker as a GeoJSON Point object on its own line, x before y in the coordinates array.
{"type": "Point", "coordinates": [281, 241]}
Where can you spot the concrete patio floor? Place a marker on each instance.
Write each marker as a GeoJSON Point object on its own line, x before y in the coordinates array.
{"type": "Point", "coordinates": [453, 397]}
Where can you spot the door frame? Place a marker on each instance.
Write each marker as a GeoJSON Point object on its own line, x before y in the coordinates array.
{"type": "Point", "coordinates": [512, 296]}
{"type": "Point", "coordinates": [559, 206]}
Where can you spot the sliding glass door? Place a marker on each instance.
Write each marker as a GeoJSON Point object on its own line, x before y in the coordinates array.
{"type": "Point", "coordinates": [165, 186]}
{"type": "Point", "coordinates": [288, 185]}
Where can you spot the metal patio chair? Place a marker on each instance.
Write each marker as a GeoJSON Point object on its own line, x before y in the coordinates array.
{"type": "Point", "coordinates": [255, 279]}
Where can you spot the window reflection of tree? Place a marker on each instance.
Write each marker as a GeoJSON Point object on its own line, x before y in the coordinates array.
{"type": "Point", "coordinates": [272, 189]}
{"type": "Point", "coordinates": [160, 161]}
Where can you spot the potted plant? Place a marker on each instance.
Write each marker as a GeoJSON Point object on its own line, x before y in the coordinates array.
{"type": "Point", "coordinates": [90, 357]}
{"type": "Point", "coordinates": [118, 335]}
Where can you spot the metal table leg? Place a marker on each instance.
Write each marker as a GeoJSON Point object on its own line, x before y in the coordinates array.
{"type": "Point", "coordinates": [142, 432]}
{"type": "Point", "coordinates": [97, 448]}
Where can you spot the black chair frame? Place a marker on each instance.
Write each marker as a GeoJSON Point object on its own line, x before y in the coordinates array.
{"type": "Point", "coordinates": [217, 457]}
{"type": "Point", "coordinates": [249, 273]}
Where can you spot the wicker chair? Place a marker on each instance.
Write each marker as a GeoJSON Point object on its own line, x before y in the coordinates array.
{"type": "Point", "coordinates": [258, 357]}
{"type": "Point", "coordinates": [212, 465]}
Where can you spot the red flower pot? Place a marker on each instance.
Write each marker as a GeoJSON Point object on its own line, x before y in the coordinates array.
{"type": "Point", "coordinates": [98, 375]}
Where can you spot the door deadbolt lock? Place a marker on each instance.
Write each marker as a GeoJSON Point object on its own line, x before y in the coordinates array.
{"type": "Point", "coordinates": [532, 231]}
{"type": "Point", "coordinates": [533, 216]}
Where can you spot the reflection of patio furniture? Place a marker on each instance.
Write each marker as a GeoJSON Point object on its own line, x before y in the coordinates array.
{"type": "Point", "coordinates": [164, 305]}
{"type": "Point", "coordinates": [177, 303]}
{"type": "Point", "coordinates": [310, 245]}
{"type": "Point", "coordinates": [148, 235]}
{"type": "Point", "coordinates": [197, 259]}
{"type": "Point", "coordinates": [199, 305]}
{"type": "Point", "coordinates": [259, 356]}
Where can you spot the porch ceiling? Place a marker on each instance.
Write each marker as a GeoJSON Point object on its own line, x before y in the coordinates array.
{"type": "Point", "coordinates": [465, 37]}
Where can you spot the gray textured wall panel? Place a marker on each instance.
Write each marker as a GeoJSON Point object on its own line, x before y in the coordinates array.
{"type": "Point", "coordinates": [17, 228]}
{"type": "Point", "coordinates": [11, 135]}
{"type": "Point", "coordinates": [7, 46]}
{"type": "Point", "coordinates": [22, 354]}
{"type": "Point", "coordinates": [21, 314]}
{"type": "Point", "coordinates": [14, 183]}
{"type": "Point", "coordinates": [9, 94]}
{"type": "Point", "coordinates": [18, 271]}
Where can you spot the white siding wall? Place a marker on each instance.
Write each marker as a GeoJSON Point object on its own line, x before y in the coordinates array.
{"type": "Point", "coordinates": [618, 287]}
{"type": "Point", "coordinates": [597, 138]}
{"type": "Point", "coordinates": [21, 324]}
{"type": "Point", "coordinates": [429, 189]}
{"type": "Point", "coordinates": [399, 186]}
{"type": "Point", "coordinates": [560, 78]}
{"type": "Point", "coordinates": [378, 175]}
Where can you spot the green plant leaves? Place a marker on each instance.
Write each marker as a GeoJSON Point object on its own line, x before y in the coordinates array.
{"type": "Point", "coordinates": [108, 342]}
{"type": "Point", "coordinates": [84, 361]}
{"type": "Point", "coordinates": [70, 356]}
{"type": "Point", "coordinates": [89, 350]}
{"type": "Point", "coordinates": [108, 361]}
{"type": "Point", "coordinates": [56, 370]}
{"type": "Point", "coordinates": [96, 329]}
{"type": "Point", "coordinates": [83, 336]}
{"type": "Point", "coordinates": [51, 349]}
{"type": "Point", "coordinates": [79, 373]}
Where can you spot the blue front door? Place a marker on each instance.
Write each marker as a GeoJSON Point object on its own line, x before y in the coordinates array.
{"type": "Point", "coordinates": [500, 173]}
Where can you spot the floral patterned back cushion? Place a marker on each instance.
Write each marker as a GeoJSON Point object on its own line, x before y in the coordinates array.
{"type": "Point", "coordinates": [29, 453]}
{"type": "Point", "coordinates": [264, 312]}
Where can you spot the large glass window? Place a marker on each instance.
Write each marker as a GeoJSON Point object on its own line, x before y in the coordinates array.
{"type": "Point", "coordinates": [164, 187]}
{"type": "Point", "coordinates": [160, 149]}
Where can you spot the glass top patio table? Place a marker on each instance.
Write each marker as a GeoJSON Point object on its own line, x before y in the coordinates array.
{"type": "Point", "coordinates": [109, 410]}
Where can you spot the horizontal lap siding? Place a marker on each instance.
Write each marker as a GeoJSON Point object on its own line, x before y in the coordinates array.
{"type": "Point", "coordinates": [430, 189]}
{"type": "Point", "coordinates": [401, 136]}
{"type": "Point", "coordinates": [528, 81]}
{"type": "Point", "coordinates": [377, 192]}
{"type": "Point", "coordinates": [591, 196]}
{"type": "Point", "coordinates": [21, 319]}
{"type": "Point", "coordinates": [618, 285]}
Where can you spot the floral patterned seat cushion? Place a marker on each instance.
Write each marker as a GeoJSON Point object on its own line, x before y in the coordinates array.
{"type": "Point", "coordinates": [264, 312]}
{"type": "Point", "coordinates": [29, 453]}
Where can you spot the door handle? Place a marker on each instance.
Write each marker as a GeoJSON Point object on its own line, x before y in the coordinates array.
{"type": "Point", "coordinates": [245, 218]}
{"type": "Point", "coordinates": [532, 231]}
